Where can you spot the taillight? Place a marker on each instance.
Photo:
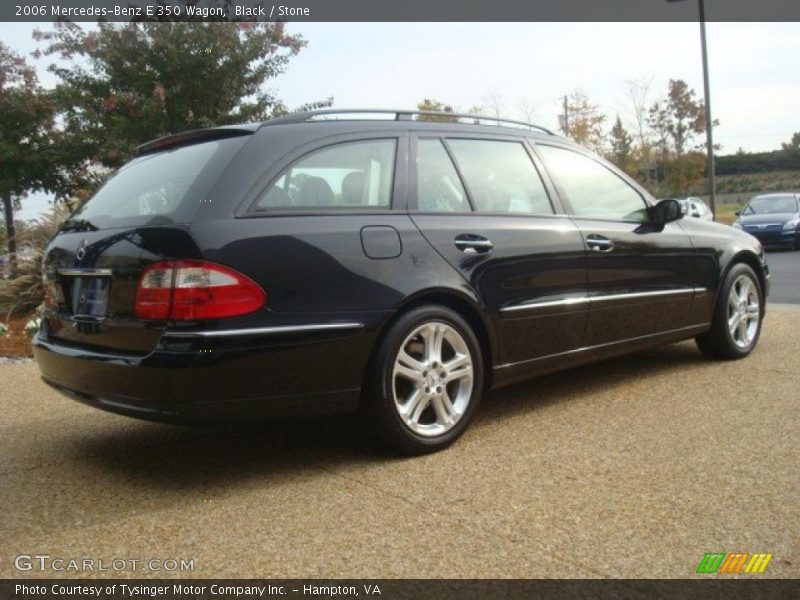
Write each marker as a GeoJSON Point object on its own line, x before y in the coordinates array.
{"type": "Point", "coordinates": [190, 290]}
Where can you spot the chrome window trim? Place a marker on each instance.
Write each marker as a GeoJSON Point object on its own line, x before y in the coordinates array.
{"type": "Point", "coordinates": [279, 329]}
{"type": "Point", "coordinates": [580, 300]}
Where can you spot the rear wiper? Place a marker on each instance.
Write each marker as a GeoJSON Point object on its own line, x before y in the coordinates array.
{"type": "Point", "coordinates": [77, 225]}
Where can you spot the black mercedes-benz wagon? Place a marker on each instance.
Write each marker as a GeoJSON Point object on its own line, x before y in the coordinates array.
{"type": "Point", "coordinates": [396, 262]}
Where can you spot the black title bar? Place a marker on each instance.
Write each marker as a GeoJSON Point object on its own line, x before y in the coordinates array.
{"type": "Point", "coordinates": [399, 10]}
{"type": "Point", "coordinates": [711, 588]}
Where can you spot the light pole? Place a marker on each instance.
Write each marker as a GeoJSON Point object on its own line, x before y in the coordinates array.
{"type": "Point", "coordinates": [712, 186]}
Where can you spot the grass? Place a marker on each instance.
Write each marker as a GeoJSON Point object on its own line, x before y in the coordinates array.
{"type": "Point", "coordinates": [725, 213]}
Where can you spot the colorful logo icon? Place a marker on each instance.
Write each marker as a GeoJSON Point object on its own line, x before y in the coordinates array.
{"type": "Point", "coordinates": [719, 562]}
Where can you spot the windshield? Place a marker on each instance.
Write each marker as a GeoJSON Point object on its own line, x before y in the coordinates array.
{"type": "Point", "coordinates": [158, 189]}
{"type": "Point", "coordinates": [773, 205]}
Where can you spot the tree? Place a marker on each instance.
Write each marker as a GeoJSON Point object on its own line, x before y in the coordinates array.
{"type": "Point", "coordinates": [527, 109]}
{"type": "Point", "coordinates": [124, 84]}
{"type": "Point", "coordinates": [679, 117]}
{"type": "Point", "coordinates": [27, 140]}
{"type": "Point", "coordinates": [638, 93]}
{"type": "Point", "coordinates": [676, 121]}
{"type": "Point", "coordinates": [584, 122]}
{"type": "Point", "coordinates": [621, 145]}
{"type": "Point", "coordinates": [429, 104]}
{"type": "Point", "coordinates": [493, 105]}
{"type": "Point", "coordinates": [793, 147]}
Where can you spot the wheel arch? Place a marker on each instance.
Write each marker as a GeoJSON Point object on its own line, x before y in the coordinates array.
{"type": "Point", "coordinates": [466, 306]}
{"type": "Point", "coordinates": [751, 259]}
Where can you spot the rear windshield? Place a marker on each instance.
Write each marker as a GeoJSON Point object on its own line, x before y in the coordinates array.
{"type": "Point", "coordinates": [161, 188]}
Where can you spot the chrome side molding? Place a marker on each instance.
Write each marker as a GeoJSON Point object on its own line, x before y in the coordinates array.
{"type": "Point", "coordinates": [85, 272]}
{"type": "Point", "coordinates": [580, 300]}
{"type": "Point", "coordinates": [277, 330]}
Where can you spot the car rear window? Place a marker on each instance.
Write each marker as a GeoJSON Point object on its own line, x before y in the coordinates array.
{"type": "Point", "coordinates": [161, 188]}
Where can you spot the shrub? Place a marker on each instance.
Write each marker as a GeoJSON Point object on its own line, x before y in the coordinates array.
{"type": "Point", "coordinates": [22, 294]}
{"type": "Point", "coordinates": [32, 326]}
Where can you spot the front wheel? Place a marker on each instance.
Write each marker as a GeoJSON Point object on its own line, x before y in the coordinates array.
{"type": "Point", "coordinates": [737, 317]}
{"type": "Point", "coordinates": [425, 383]}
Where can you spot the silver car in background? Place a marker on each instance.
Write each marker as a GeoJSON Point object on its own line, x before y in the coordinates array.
{"type": "Point", "coordinates": [696, 208]}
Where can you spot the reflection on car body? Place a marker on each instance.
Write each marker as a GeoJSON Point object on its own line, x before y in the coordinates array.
{"type": "Point", "coordinates": [334, 260]}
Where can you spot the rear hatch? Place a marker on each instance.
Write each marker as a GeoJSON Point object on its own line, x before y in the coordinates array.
{"type": "Point", "coordinates": [140, 216]}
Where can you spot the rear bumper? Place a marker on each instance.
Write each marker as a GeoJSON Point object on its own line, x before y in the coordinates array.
{"type": "Point", "coordinates": [312, 374]}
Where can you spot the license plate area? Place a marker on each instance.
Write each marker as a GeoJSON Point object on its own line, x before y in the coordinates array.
{"type": "Point", "coordinates": [90, 296]}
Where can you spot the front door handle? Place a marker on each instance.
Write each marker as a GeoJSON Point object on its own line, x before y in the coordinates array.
{"type": "Point", "coordinates": [599, 243]}
{"type": "Point", "coordinates": [473, 244]}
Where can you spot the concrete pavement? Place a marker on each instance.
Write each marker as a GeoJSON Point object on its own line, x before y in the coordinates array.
{"type": "Point", "coordinates": [630, 468]}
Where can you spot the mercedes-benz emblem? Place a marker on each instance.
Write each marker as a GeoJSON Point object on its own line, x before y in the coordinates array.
{"type": "Point", "coordinates": [81, 251]}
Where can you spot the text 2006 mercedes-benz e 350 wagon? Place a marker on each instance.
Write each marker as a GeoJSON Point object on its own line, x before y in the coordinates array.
{"type": "Point", "coordinates": [399, 262]}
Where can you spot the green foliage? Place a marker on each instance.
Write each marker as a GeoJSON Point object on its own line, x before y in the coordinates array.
{"type": "Point", "coordinates": [678, 119]}
{"type": "Point", "coordinates": [757, 162]}
{"type": "Point", "coordinates": [30, 146]}
{"type": "Point", "coordinates": [584, 122]}
{"type": "Point", "coordinates": [793, 147]}
{"type": "Point", "coordinates": [685, 171]}
{"type": "Point", "coordinates": [23, 294]}
{"type": "Point", "coordinates": [125, 84]}
{"type": "Point", "coordinates": [621, 146]}
{"type": "Point", "coordinates": [28, 140]}
{"type": "Point", "coordinates": [770, 181]}
{"type": "Point", "coordinates": [435, 105]}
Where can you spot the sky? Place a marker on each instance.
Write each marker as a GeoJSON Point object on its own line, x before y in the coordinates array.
{"type": "Point", "coordinates": [528, 67]}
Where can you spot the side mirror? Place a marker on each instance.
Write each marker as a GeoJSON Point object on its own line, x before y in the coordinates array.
{"type": "Point", "coordinates": [738, 213]}
{"type": "Point", "coordinates": [666, 211]}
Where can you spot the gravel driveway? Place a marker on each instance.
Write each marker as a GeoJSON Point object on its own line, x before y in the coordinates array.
{"type": "Point", "coordinates": [631, 468]}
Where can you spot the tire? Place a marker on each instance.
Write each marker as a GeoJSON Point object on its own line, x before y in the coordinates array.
{"type": "Point", "coordinates": [738, 316]}
{"type": "Point", "coordinates": [408, 407]}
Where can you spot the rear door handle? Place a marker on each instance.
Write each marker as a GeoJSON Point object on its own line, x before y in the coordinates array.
{"type": "Point", "coordinates": [473, 244]}
{"type": "Point", "coordinates": [599, 243]}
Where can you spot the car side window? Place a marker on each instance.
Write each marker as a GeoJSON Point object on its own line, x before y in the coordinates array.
{"type": "Point", "coordinates": [593, 190]}
{"type": "Point", "coordinates": [439, 188]}
{"type": "Point", "coordinates": [500, 177]}
{"type": "Point", "coordinates": [347, 175]}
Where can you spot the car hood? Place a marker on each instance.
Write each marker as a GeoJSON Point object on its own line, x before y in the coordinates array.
{"type": "Point", "coordinates": [766, 218]}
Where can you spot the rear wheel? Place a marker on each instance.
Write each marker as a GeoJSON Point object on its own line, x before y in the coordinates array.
{"type": "Point", "coordinates": [425, 381]}
{"type": "Point", "coordinates": [737, 317]}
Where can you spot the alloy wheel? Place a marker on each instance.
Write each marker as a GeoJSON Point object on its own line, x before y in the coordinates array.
{"type": "Point", "coordinates": [744, 311]}
{"type": "Point", "coordinates": [432, 378]}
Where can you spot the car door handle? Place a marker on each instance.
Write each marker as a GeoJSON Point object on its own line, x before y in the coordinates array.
{"type": "Point", "coordinates": [599, 243]}
{"type": "Point", "coordinates": [473, 244]}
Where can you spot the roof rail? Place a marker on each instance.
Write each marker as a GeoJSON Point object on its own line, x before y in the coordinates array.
{"type": "Point", "coordinates": [399, 115]}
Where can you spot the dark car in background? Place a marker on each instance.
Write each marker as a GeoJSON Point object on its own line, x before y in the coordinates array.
{"type": "Point", "coordinates": [772, 218]}
{"type": "Point", "coordinates": [396, 262]}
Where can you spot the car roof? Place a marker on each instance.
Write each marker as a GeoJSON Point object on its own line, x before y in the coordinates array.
{"type": "Point", "coordinates": [363, 120]}
{"type": "Point", "coordinates": [779, 195]}
{"type": "Point", "coordinates": [405, 118]}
